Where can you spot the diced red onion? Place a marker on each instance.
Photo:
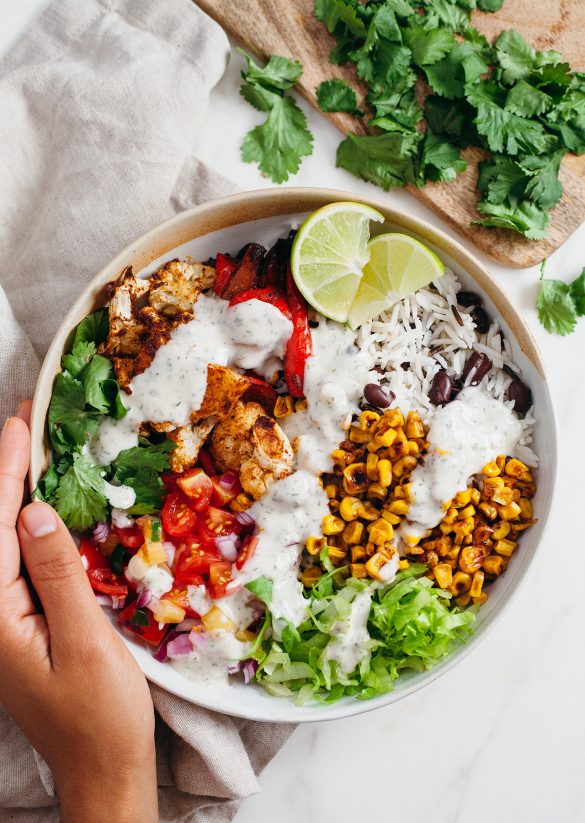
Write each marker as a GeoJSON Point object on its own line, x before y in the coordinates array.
{"type": "Point", "coordinates": [153, 603]}
{"type": "Point", "coordinates": [229, 481]}
{"type": "Point", "coordinates": [249, 669]}
{"type": "Point", "coordinates": [170, 550]}
{"type": "Point", "coordinates": [235, 667]}
{"type": "Point", "coordinates": [245, 519]}
{"type": "Point", "coordinates": [144, 598]}
{"type": "Point", "coordinates": [227, 545]}
{"type": "Point", "coordinates": [85, 562]}
{"type": "Point", "coordinates": [234, 586]}
{"type": "Point", "coordinates": [118, 602]}
{"type": "Point", "coordinates": [161, 653]}
{"type": "Point", "coordinates": [101, 532]}
{"type": "Point", "coordinates": [104, 600]}
{"type": "Point", "coordinates": [198, 639]}
{"type": "Point", "coordinates": [187, 624]}
{"type": "Point", "coordinates": [179, 645]}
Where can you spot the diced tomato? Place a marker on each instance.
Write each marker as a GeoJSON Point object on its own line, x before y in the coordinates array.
{"type": "Point", "coordinates": [247, 551]}
{"type": "Point", "coordinates": [222, 496]}
{"type": "Point", "coordinates": [178, 596]}
{"type": "Point", "coordinates": [106, 582]}
{"type": "Point", "coordinates": [94, 558]}
{"type": "Point", "coordinates": [218, 522]}
{"type": "Point", "coordinates": [193, 559]}
{"type": "Point", "coordinates": [299, 346]}
{"type": "Point", "coordinates": [206, 462]}
{"type": "Point", "coordinates": [177, 516]}
{"type": "Point", "coordinates": [220, 574]}
{"type": "Point", "coordinates": [276, 298]}
{"type": "Point", "coordinates": [170, 481]}
{"type": "Point", "coordinates": [150, 634]}
{"type": "Point", "coordinates": [259, 391]}
{"type": "Point", "coordinates": [197, 486]}
{"type": "Point", "coordinates": [225, 266]}
{"type": "Point", "coordinates": [131, 537]}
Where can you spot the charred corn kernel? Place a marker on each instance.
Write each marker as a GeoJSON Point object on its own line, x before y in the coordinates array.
{"type": "Point", "coordinates": [468, 511]}
{"type": "Point", "coordinates": [476, 585]}
{"type": "Point", "coordinates": [443, 545]}
{"type": "Point", "coordinates": [475, 496]}
{"type": "Point", "coordinates": [414, 425]}
{"type": "Point", "coordinates": [398, 493]}
{"type": "Point", "coordinates": [501, 461]}
{"type": "Point", "coordinates": [501, 530]}
{"type": "Point", "coordinates": [370, 549]}
{"type": "Point", "coordinates": [450, 516]}
{"type": "Point", "coordinates": [462, 499]}
{"type": "Point", "coordinates": [502, 496]}
{"type": "Point", "coordinates": [358, 553]}
{"type": "Point", "coordinates": [332, 524]}
{"type": "Point", "coordinates": [505, 547]}
{"type": "Point", "coordinates": [377, 491]}
{"type": "Point", "coordinates": [380, 531]}
{"type": "Point", "coordinates": [510, 512]}
{"type": "Point", "coordinates": [334, 505]}
{"type": "Point", "coordinates": [355, 479]}
{"type": "Point", "coordinates": [310, 576]}
{"type": "Point", "coordinates": [349, 508]}
{"type": "Point", "coordinates": [357, 435]}
{"type": "Point", "coordinates": [369, 420]}
{"type": "Point", "coordinates": [403, 564]}
{"type": "Point", "coordinates": [460, 584]}
{"type": "Point", "coordinates": [385, 437]}
{"type": "Point", "coordinates": [336, 555]}
{"type": "Point", "coordinates": [368, 512]}
{"type": "Point", "coordinates": [153, 553]}
{"type": "Point", "coordinates": [358, 570]}
{"type": "Point", "coordinates": [481, 533]}
{"type": "Point", "coordinates": [404, 466]}
{"type": "Point", "coordinates": [241, 502]}
{"type": "Point", "coordinates": [283, 406]}
{"type": "Point", "coordinates": [394, 519]}
{"type": "Point", "coordinates": [525, 508]}
{"type": "Point", "coordinates": [490, 511]}
{"type": "Point", "coordinates": [479, 601]}
{"type": "Point", "coordinates": [376, 562]}
{"type": "Point", "coordinates": [412, 540]}
{"type": "Point", "coordinates": [463, 600]}
{"type": "Point", "coordinates": [340, 457]}
{"type": "Point", "coordinates": [398, 507]}
{"type": "Point", "coordinates": [216, 619]}
{"type": "Point", "coordinates": [471, 559]}
{"type": "Point", "coordinates": [394, 417]}
{"type": "Point", "coordinates": [446, 528]}
{"type": "Point", "coordinates": [331, 490]}
{"type": "Point", "coordinates": [372, 466]}
{"type": "Point", "coordinates": [301, 405]}
{"type": "Point", "coordinates": [443, 575]}
{"type": "Point", "coordinates": [490, 484]}
{"type": "Point", "coordinates": [245, 636]}
{"type": "Point", "coordinates": [516, 468]}
{"type": "Point", "coordinates": [413, 449]}
{"type": "Point", "coordinates": [491, 469]}
{"type": "Point", "coordinates": [516, 495]}
{"type": "Point", "coordinates": [314, 545]}
{"type": "Point", "coordinates": [494, 564]}
{"type": "Point", "coordinates": [384, 473]}
{"type": "Point", "coordinates": [461, 528]}
{"type": "Point", "coordinates": [447, 504]}
{"type": "Point", "coordinates": [519, 527]}
{"type": "Point", "coordinates": [353, 532]}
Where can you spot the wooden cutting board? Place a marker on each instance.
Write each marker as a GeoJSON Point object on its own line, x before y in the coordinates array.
{"type": "Point", "coordinates": [289, 28]}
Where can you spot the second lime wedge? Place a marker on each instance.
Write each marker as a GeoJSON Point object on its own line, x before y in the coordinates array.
{"type": "Point", "coordinates": [329, 254]}
{"type": "Point", "coordinates": [398, 265]}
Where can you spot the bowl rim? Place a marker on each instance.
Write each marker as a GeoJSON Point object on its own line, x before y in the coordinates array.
{"type": "Point", "coordinates": [237, 209]}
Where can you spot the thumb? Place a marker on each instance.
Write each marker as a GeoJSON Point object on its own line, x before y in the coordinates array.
{"type": "Point", "coordinates": [56, 572]}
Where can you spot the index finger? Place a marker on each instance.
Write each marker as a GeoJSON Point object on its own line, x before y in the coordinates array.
{"type": "Point", "coordinates": [14, 460]}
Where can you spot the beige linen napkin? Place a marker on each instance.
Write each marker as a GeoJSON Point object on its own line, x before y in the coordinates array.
{"type": "Point", "coordinates": [100, 106]}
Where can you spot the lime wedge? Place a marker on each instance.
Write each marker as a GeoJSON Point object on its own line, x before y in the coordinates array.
{"type": "Point", "coordinates": [329, 254]}
{"type": "Point", "coordinates": [398, 266]}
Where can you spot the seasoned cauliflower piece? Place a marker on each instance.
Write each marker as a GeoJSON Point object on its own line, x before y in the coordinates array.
{"type": "Point", "coordinates": [176, 287]}
{"type": "Point", "coordinates": [189, 440]}
{"type": "Point", "coordinates": [125, 333]}
{"type": "Point", "coordinates": [252, 444]}
{"type": "Point", "coordinates": [224, 389]}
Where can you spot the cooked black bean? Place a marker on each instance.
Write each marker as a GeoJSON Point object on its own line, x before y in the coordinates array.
{"type": "Point", "coordinates": [377, 397]}
{"type": "Point", "coordinates": [509, 370]}
{"type": "Point", "coordinates": [456, 388]}
{"type": "Point", "coordinates": [521, 395]}
{"type": "Point", "coordinates": [476, 368]}
{"type": "Point", "coordinates": [469, 298]}
{"type": "Point", "coordinates": [440, 393]}
{"type": "Point", "coordinates": [456, 315]}
{"type": "Point", "coordinates": [481, 319]}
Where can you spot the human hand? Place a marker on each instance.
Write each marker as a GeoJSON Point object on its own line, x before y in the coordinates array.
{"type": "Point", "coordinates": [67, 678]}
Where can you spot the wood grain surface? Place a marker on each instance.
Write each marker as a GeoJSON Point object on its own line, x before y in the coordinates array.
{"type": "Point", "coordinates": [289, 28]}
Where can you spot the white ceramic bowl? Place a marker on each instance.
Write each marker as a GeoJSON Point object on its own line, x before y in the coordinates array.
{"type": "Point", "coordinates": [262, 216]}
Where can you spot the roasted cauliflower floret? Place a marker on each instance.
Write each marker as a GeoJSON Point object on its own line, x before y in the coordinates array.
{"type": "Point", "coordinates": [253, 444]}
{"type": "Point", "coordinates": [189, 440]}
{"type": "Point", "coordinates": [224, 389]}
{"type": "Point", "coordinates": [176, 287]}
{"type": "Point", "coordinates": [125, 335]}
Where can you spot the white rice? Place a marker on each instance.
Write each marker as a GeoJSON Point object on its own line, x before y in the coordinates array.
{"type": "Point", "coordinates": [422, 331]}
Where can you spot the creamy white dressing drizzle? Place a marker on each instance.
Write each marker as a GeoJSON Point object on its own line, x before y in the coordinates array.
{"type": "Point", "coordinates": [208, 663]}
{"type": "Point", "coordinates": [464, 436]}
{"type": "Point", "coordinates": [156, 579]}
{"type": "Point", "coordinates": [351, 634]}
{"type": "Point", "coordinates": [121, 519]}
{"type": "Point", "coordinates": [120, 497]}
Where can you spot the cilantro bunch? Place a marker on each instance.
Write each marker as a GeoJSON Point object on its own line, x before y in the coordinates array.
{"type": "Point", "coordinates": [85, 393]}
{"type": "Point", "coordinates": [560, 304]}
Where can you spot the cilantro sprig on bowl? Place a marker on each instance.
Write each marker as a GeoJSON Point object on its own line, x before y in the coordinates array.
{"type": "Point", "coordinates": [85, 392]}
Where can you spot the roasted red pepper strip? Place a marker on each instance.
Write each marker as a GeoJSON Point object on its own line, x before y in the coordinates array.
{"type": "Point", "coordinates": [260, 392]}
{"type": "Point", "coordinates": [275, 297]}
{"type": "Point", "coordinates": [224, 269]}
{"type": "Point", "coordinates": [299, 346]}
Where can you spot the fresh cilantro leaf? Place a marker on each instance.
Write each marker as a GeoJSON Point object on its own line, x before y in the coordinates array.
{"type": "Point", "coordinates": [443, 12]}
{"type": "Point", "coordinates": [80, 356]}
{"type": "Point", "coordinates": [47, 485]}
{"type": "Point", "coordinates": [70, 425]}
{"type": "Point", "coordinates": [403, 117]}
{"type": "Point", "coordinates": [525, 218]}
{"type": "Point", "coordinates": [334, 12]}
{"type": "Point", "coordinates": [543, 186]}
{"type": "Point", "coordinates": [502, 180]}
{"type": "Point", "coordinates": [578, 293]}
{"type": "Point", "coordinates": [118, 559]}
{"type": "Point", "coordinates": [93, 329]}
{"type": "Point", "coordinates": [440, 159]}
{"type": "Point", "coordinates": [261, 98]}
{"type": "Point", "coordinates": [279, 74]}
{"type": "Point", "coordinates": [147, 455]}
{"type": "Point", "coordinates": [384, 159]}
{"type": "Point", "coordinates": [555, 306]}
{"type": "Point", "coordinates": [490, 5]}
{"type": "Point", "coordinates": [526, 100]}
{"type": "Point", "coordinates": [452, 117]}
{"type": "Point", "coordinates": [149, 489]}
{"type": "Point", "coordinates": [141, 617]}
{"type": "Point", "coordinates": [262, 588]}
{"type": "Point", "coordinates": [93, 376]}
{"type": "Point", "coordinates": [279, 144]}
{"type": "Point", "coordinates": [518, 59]}
{"type": "Point", "coordinates": [336, 95]}
{"type": "Point", "coordinates": [79, 498]}
{"type": "Point", "coordinates": [464, 64]}
{"type": "Point", "coordinates": [111, 390]}
{"type": "Point", "coordinates": [428, 46]}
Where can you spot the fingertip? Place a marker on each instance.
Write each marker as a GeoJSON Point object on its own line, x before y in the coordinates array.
{"type": "Point", "coordinates": [38, 520]}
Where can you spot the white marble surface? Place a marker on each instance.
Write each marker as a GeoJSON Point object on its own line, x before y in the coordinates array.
{"type": "Point", "coordinates": [500, 738]}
